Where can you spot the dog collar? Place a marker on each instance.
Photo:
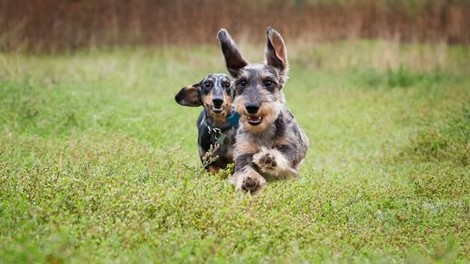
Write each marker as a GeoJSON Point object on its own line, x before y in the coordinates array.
{"type": "Point", "coordinates": [233, 118]}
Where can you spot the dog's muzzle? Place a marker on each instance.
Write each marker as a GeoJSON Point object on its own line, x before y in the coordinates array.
{"type": "Point", "coordinates": [252, 108]}
{"type": "Point", "coordinates": [217, 105]}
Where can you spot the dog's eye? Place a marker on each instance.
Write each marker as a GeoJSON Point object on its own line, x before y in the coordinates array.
{"type": "Point", "coordinates": [226, 85]}
{"type": "Point", "coordinates": [207, 85]}
{"type": "Point", "coordinates": [242, 83]}
{"type": "Point", "coordinates": [268, 83]}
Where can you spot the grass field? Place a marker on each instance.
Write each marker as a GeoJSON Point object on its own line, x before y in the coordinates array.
{"type": "Point", "coordinates": [99, 164]}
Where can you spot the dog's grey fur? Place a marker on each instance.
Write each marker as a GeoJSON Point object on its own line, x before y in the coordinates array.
{"type": "Point", "coordinates": [269, 142]}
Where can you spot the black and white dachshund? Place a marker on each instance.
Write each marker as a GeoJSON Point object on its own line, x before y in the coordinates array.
{"type": "Point", "coordinates": [217, 123]}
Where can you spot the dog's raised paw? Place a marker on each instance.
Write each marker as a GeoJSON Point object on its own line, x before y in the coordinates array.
{"type": "Point", "coordinates": [265, 160]}
{"type": "Point", "coordinates": [268, 161]}
{"type": "Point", "coordinates": [272, 162]}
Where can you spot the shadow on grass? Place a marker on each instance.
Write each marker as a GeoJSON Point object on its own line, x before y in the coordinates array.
{"type": "Point", "coordinates": [448, 141]}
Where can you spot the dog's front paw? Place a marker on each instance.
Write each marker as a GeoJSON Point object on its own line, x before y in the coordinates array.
{"type": "Point", "coordinates": [248, 180]}
{"type": "Point", "coordinates": [251, 184]}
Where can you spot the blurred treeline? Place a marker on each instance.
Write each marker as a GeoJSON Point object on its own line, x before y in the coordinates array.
{"type": "Point", "coordinates": [62, 25]}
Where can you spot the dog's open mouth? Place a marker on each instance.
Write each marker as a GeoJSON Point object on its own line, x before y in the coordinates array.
{"type": "Point", "coordinates": [217, 110]}
{"type": "Point", "coordinates": [254, 120]}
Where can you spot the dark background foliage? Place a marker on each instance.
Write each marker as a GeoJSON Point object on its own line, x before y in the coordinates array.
{"type": "Point", "coordinates": [58, 25]}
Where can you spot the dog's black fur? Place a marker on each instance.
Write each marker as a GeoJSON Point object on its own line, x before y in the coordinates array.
{"type": "Point", "coordinates": [215, 93]}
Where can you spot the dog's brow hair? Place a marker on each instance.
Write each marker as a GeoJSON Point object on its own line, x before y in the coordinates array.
{"type": "Point", "coordinates": [244, 75]}
{"type": "Point", "coordinates": [218, 82]}
{"type": "Point", "coordinates": [267, 74]}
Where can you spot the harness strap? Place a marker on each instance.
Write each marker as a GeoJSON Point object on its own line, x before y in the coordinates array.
{"type": "Point", "coordinates": [219, 136]}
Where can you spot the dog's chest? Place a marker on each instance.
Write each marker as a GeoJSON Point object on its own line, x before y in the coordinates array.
{"type": "Point", "coordinates": [266, 139]}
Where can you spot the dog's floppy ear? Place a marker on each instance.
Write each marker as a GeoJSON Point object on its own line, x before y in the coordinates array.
{"type": "Point", "coordinates": [233, 58]}
{"type": "Point", "coordinates": [189, 95]}
{"type": "Point", "coordinates": [276, 52]}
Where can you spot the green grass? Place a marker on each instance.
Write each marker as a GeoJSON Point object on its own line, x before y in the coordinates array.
{"type": "Point", "coordinates": [99, 164]}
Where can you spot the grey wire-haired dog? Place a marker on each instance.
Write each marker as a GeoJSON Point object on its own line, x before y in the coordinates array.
{"type": "Point", "coordinates": [269, 142]}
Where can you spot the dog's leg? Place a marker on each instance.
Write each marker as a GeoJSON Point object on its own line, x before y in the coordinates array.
{"type": "Point", "coordinates": [246, 177]}
{"type": "Point", "coordinates": [213, 169]}
{"type": "Point", "coordinates": [274, 163]}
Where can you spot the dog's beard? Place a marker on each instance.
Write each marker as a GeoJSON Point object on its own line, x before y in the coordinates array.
{"type": "Point", "coordinates": [257, 123]}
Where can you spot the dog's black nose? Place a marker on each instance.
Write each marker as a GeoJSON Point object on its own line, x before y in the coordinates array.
{"type": "Point", "coordinates": [252, 108]}
{"type": "Point", "coordinates": [217, 102]}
